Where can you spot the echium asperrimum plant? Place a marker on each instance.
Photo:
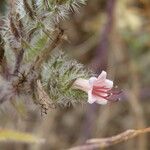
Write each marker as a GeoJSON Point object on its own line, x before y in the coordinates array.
{"type": "Point", "coordinates": [31, 67]}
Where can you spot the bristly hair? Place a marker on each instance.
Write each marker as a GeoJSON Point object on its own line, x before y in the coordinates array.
{"type": "Point", "coordinates": [30, 32]}
{"type": "Point", "coordinates": [28, 9]}
{"type": "Point", "coordinates": [58, 76]}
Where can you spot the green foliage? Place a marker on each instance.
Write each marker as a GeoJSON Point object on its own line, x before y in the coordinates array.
{"type": "Point", "coordinates": [2, 6]}
{"type": "Point", "coordinates": [58, 76]}
{"type": "Point", "coordinates": [31, 31]}
{"type": "Point", "coordinates": [31, 24]}
{"type": "Point", "coordinates": [38, 46]}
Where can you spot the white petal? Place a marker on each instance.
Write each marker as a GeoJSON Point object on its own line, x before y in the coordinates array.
{"type": "Point", "coordinates": [109, 83]}
{"type": "Point", "coordinates": [92, 80]}
{"type": "Point", "coordinates": [102, 76]}
{"type": "Point", "coordinates": [82, 84]}
{"type": "Point", "coordinates": [91, 98]}
{"type": "Point", "coordinates": [101, 101]}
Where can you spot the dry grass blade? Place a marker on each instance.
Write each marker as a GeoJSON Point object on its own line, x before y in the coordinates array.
{"type": "Point", "coordinates": [19, 137]}
{"type": "Point", "coordinates": [106, 142]}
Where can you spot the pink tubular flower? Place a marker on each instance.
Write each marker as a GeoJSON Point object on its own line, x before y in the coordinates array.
{"type": "Point", "coordinates": [99, 89]}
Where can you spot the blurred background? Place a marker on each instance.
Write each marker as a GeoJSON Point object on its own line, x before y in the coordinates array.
{"type": "Point", "coordinates": [111, 35]}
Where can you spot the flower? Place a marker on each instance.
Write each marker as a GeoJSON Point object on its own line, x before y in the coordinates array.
{"type": "Point", "coordinates": [99, 90]}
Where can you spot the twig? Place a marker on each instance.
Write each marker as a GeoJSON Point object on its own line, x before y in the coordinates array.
{"type": "Point", "coordinates": [107, 142]}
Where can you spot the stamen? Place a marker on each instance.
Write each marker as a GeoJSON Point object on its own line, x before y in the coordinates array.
{"type": "Point", "coordinates": [111, 93]}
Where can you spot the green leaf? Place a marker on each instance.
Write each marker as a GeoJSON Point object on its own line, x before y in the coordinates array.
{"type": "Point", "coordinates": [36, 48]}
